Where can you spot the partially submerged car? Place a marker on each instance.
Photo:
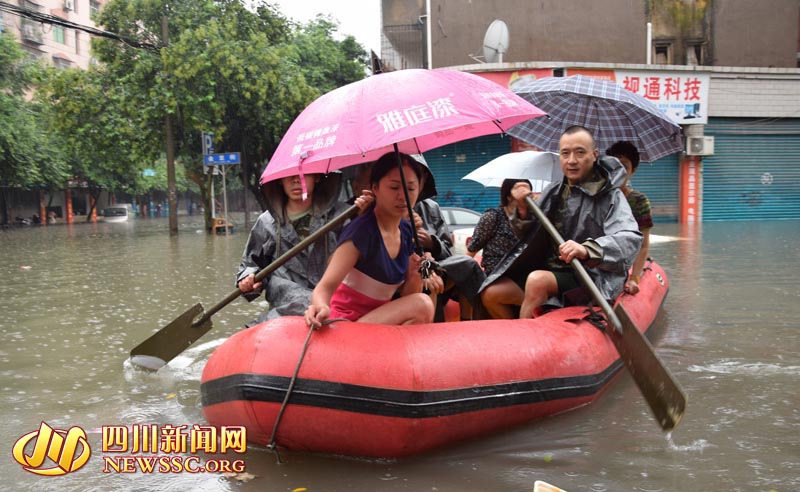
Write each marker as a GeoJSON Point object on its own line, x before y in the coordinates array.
{"type": "Point", "coordinates": [119, 212]}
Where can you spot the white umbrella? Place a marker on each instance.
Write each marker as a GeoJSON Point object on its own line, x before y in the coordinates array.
{"type": "Point", "coordinates": [540, 168]}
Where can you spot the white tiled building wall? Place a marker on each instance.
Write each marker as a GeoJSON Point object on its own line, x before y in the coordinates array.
{"type": "Point", "coordinates": [56, 45]}
{"type": "Point", "coordinates": [764, 94]}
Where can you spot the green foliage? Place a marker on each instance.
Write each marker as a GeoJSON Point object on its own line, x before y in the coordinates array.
{"type": "Point", "coordinates": [326, 62]}
{"type": "Point", "coordinates": [143, 184]}
{"type": "Point", "coordinates": [29, 156]}
{"type": "Point", "coordinates": [97, 127]}
{"type": "Point", "coordinates": [242, 73]}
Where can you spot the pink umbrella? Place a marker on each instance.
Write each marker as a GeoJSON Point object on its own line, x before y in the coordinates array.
{"type": "Point", "coordinates": [415, 109]}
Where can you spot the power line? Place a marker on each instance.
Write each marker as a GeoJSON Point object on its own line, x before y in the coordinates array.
{"type": "Point", "coordinates": [58, 21]}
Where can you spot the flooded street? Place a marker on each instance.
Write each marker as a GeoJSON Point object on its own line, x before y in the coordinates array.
{"type": "Point", "coordinates": [75, 299]}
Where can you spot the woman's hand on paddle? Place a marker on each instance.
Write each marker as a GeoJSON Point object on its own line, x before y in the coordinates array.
{"type": "Point", "coordinates": [248, 284]}
{"type": "Point", "coordinates": [364, 201]}
{"type": "Point", "coordinates": [315, 315]}
{"type": "Point", "coordinates": [571, 250]}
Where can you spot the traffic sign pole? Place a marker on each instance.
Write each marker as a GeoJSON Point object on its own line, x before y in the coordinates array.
{"type": "Point", "coordinates": [225, 196]}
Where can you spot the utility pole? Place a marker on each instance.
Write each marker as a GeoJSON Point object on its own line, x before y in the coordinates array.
{"type": "Point", "coordinates": [172, 196]}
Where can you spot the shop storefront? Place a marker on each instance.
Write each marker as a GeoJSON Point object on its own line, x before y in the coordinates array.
{"type": "Point", "coordinates": [754, 173]}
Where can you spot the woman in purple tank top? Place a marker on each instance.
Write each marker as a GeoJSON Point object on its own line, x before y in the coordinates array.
{"type": "Point", "coordinates": [375, 258]}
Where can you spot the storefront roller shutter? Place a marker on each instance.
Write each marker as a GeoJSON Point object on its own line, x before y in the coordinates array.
{"type": "Point", "coordinates": [659, 181]}
{"type": "Point", "coordinates": [754, 173]}
{"type": "Point", "coordinates": [452, 162]}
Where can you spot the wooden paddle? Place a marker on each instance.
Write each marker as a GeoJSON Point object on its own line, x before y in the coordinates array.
{"type": "Point", "coordinates": [168, 342]}
{"type": "Point", "coordinates": [665, 397]}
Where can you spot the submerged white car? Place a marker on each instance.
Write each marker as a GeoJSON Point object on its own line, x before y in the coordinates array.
{"type": "Point", "coordinates": [119, 212]}
{"type": "Point", "coordinates": [462, 222]}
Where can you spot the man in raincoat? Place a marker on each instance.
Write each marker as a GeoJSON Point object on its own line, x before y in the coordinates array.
{"type": "Point", "coordinates": [594, 218]}
{"type": "Point", "coordinates": [288, 220]}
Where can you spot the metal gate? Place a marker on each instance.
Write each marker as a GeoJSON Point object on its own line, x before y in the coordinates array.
{"type": "Point", "coordinates": [659, 181]}
{"type": "Point", "coordinates": [452, 162]}
{"type": "Point", "coordinates": [754, 173]}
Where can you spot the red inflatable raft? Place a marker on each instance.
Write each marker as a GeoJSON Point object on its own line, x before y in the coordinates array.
{"type": "Point", "coordinates": [392, 391]}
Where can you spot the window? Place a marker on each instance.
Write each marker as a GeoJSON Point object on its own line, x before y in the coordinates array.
{"type": "Point", "coordinates": [663, 55]}
{"type": "Point", "coordinates": [467, 218]}
{"type": "Point", "coordinates": [94, 8]}
{"type": "Point", "coordinates": [61, 63]}
{"type": "Point", "coordinates": [58, 34]}
{"type": "Point", "coordinates": [694, 54]}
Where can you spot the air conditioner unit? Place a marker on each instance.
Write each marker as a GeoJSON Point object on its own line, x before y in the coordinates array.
{"type": "Point", "coordinates": [699, 145]}
{"type": "Point", "coordinates": [69, 4]}
{"type": "Point", "coordinates": [32, 32]}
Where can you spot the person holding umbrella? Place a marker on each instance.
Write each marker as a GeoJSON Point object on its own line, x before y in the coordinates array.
{"type": "Point", "coordinates": [591, 213]}
{"type": "Point", "coordinates": [376, 257]}
{"type": "Point", "coordinates": [628, 155]}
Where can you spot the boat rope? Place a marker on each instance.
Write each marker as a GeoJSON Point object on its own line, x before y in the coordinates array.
{"type": "Point", "coordinates": [596, 317]}
{"type": "Point", "coordinates": [272, 446]}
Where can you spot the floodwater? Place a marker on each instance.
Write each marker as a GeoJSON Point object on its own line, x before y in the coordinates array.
{"type": "Point", "coordinates": [75, 299]}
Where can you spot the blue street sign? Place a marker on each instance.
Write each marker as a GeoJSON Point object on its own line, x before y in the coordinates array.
{"type": "Point", "coordinates": [221, 159]}
{"type": "Point", "coordinates": [149, 172]}
{"type": "Point", "coordinates": [208, 143]}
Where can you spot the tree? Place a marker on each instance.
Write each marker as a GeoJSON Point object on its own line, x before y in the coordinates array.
{"type": "Point", "coordinates": [99, 129]}
{"type": "Point", "coordinates": [324, 64]}
{"type": "Point", "coordinates": [29, 156]}
{"type": "Point", "coordinates": [243, 74]}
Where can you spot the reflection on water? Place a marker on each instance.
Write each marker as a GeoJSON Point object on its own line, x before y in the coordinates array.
{"type": "Point", "coordinates": [75, 299]}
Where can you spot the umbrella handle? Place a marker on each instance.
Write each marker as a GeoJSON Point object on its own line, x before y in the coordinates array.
{"type": "Point", "coordinates": [419, 250]}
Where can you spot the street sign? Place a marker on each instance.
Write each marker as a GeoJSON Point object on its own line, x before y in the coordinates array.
{"type": "Point", "coordinates": [208, 143]}
{"type": "Point", "coordinates": [207, 139]}
{"type": "Point", "coordinates": [221, 159]}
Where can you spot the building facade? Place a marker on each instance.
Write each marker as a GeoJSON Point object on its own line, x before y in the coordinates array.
{"type": "Point", "coordinates": [56, 45]}
{"type": "Point", "coordinates": [742, 154]}
{"type": "Point", "coordinates": [731, 33]}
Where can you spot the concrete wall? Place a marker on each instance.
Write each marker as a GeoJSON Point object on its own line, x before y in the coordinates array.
{"type": "Point", "coordinates": [542, 30]}
{"type": "Point", "coordinates": [751, 33]}
{"type": "Point", "coordinates": [736, 33]}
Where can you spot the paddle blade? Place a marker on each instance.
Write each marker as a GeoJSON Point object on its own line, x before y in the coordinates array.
{"type": "Point", "coordinates": [541, 486]}
{"type": "Point", "coordinates": [665, 397]}
{"type": "Point", "coordinates": [168, 342]}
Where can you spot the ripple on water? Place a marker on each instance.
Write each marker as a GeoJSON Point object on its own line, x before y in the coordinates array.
{"type": "Point", "coordinates": [746, 368]}
{"type": "Point", "coordinates": [697, 446]}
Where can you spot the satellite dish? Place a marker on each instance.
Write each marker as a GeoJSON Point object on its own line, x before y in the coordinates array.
{"type": "Point", "coordinates": [495, 42]}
